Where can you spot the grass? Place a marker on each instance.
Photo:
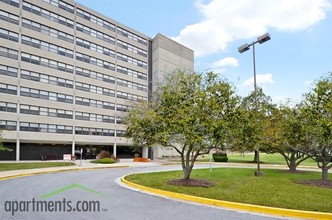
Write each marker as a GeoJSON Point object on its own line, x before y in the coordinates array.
{"type": "Point", "coordinates": [103, 161]}
{"type": "Point", "coordinates": [264, 158]}
{"type": "Point", "coordinates": [34, 165]}
{"type": "Point", "coordinates": [275, 189]}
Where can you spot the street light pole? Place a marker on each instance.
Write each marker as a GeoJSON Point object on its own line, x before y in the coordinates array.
{"type": "Point", "coordinates": [243, 48]}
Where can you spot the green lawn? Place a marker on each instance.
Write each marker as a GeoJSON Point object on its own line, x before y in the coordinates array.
{"type": "Point", "coordinates": [275, 189]}
{"type": "Point", "coordinates": [22, 166]}
{"type": "Point", "coordinates": [265, 159]}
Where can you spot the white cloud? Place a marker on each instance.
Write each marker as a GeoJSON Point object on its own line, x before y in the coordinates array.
{"type": "Point", "coordinates": [227, 61]}
{"type": "Point", "coordinates": [260, 80]}
{"type": "Point", "coordinates": [228, 20]}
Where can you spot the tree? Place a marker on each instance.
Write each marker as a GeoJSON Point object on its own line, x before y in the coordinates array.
{"type": "Point", "coordinates": [285, 134]}
{"type": "Point", "coordinates": [251, 122]}
{"type": "Point", "coordinates": [317, 122]}
{"type": "Point", "coordinates": [190, 114]}
{"type": "Point", "coordinates": [3, 148]}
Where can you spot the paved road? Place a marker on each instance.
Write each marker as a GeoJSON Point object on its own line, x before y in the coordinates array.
{"type": "Point", "coordinates": [115, 202]}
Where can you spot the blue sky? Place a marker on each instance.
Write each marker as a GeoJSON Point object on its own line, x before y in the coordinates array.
{"type": "Point", "coordinates": [299, 52]}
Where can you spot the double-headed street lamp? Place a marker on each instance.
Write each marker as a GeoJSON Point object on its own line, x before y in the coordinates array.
{"type": "Point", "coordinates": [244, 48]}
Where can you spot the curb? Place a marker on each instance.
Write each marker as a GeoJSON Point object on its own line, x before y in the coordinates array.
{"type": "Point", "coordinates": [232, 205]}
{"type": "Point", "coordinates": [57, 171]}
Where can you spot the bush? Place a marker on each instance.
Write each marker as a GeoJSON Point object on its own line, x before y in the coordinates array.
{"type": "Point", "coordinates": [104, 154]}
{"type": "Point", "coordinates": [104, 161]}
{"type": "Point", "coordinates": [220, 157]}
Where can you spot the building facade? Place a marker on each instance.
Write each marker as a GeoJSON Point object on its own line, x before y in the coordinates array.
{"type": "Point", "coordinates": [69, 74]}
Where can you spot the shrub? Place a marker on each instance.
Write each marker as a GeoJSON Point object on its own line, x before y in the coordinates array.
{"type": "Point", "coordinates": [104, 161]}
{"type": "Point", "coordinates": [220, 157]}
{"type": "Point", "coordinates": [104, 154]}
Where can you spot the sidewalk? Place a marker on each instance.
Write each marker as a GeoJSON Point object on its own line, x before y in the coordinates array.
{"type": "Point", "coordinates": [84, 166]}
{"type": "Point", "coordinates": [126, 163]}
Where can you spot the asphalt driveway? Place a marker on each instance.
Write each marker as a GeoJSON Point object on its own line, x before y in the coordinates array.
{"type": "Point", "coordinates": [95, 194]}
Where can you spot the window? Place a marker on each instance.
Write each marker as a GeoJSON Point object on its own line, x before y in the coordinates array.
{"type": "Point", "coordinates": [95, 33]}
{"type": "Point", "coordinates": [8, 107]}
{"type": "Point", "coordinates": [132, 36]}
{"type": "Point", "coordinates": [5, 16]}
{"type": "Point", "coordinates": [47, 14]}
{"type": "Point", "coordinates": [9, 53]}
{"type": "Point", "coordinates": [8, 35]}
{"type": "Point", "coordinates": [46, 62]}
{"type": "Point", "coordinates": [9, 89]}
{"type": "Point", "coordinates": [15, 3]}
{"type": "Point", "coordinates": [7, 70]}
{"type": "Point", "coordinates": [34, 93]}
{"type": "Point", "coordinates": [131, 72]}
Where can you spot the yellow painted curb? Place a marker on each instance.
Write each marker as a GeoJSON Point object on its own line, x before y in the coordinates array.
{"type": "Point", "coordinates": [234, 205]}
{"type": "Point", "coordinates": [56, 171]}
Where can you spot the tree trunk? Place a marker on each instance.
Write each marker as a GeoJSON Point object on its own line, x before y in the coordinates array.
{"type": "Point", "coordinates": [292, 162]}
{"type": "Point", "coordinates": [256, 156]}
{"type": "Point", "coordinates": [187, 172]}
{"type": "Point", "coordinates": [325, 172]}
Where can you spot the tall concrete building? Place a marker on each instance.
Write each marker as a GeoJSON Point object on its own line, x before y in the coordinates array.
{"type": "Point", "coordinates": [69, 74]}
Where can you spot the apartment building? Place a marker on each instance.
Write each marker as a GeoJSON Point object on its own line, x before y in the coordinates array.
{"type": "Point", "coordinates": [69, 74]}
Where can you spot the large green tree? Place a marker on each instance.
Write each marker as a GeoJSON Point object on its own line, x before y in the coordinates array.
{"type": "Point", "coordinates": [190, 113]}
{"type": "Point", "coordinates": [317, 122]}
{"type": "Point", "coordinates": [284, 134]}
{"type": "Point", "coordinates": [251, 120]}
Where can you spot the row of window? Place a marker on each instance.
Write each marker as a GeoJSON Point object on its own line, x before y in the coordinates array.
{"type": "Point", "coordinates": [129, 96]}
{"type": "Point", "coordinates": [8, 71]}
{"type": "Point", "coordinates": [15, 3]}
{"type": "Point", "coordinates": [34, 76]}
{"type": "Point", "coordinates": [132, 48]}
{"type": "Point", "coordinates": [47, 46]}
{"type": "Point", "coordinates": [47, 14]}
{"type": "Point", "coordinates": [130, 72]}
{"type": "Point", "coordinates": [47, 30]}
{"type": "Point", "coordinates": [9, 53]}
{"type": "Point", "coordinates": [94, 117]}
{"type": "Point", "coordinates": [8, 107]}
{"type": "Point", "coordinates": [41, 94]}
{"type": "Point", "coordinates": [46, 128]}
{"type": "Point", "coordinates": [46, 62]}
{"type": "Point", "coordinates": [9, 89]}
{"type": "Point", "coordinates": [120, 133]}
{"type": "Point", "coordinates": [62, 129]}
{"type": "Point", "coordinates": [95, 47]}
{"type": "Point", "coordinates": [59, 113]}
{"type": "Point", "coordinates": [94, 33]}
{"type": "Point", "coordinates": [51, 112]}
{"type": "Point", "coordinates": [94, 75]}
{"type": "Point", "coordinates": [123, 108]}
{"type": "Point", "coordinates": [70, 38]}
{"type": "Point", "coordinates": [5, 16]}
{"type": "Point", "coordinates": [60, 4]}
{"type": "Point", "coordinates": [95, 61]}
{"type": "Point", "coordinates": [133, 85]}
{"type": "Point", "coordinates": [94, 131]}
{"type": "Point", "coordinates": [94, 103]}
{"type": "Point", "coordinates": [132, 36]}
{"type": "Point", "coordinates": [94, 19]}
{"type": "Point", "coordinates": [8, 35]}
{"type": "Point", "coordinates": [132, 60]}
{"type": "Point", "coordinates": [7, 125]}
{"type": "Point", "coordinates": [35, 110]}
{"type": "Point", "coordinates": [94, 89]}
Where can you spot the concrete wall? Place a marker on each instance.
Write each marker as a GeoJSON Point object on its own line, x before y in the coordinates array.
{"type": "Point", "coordinates": [168, 56]}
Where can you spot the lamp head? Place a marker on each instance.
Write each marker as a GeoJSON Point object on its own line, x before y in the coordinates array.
{"type": "Point", "coordinates": [263, 38]}
{"type": "Point", "coordinates": [243, 48]}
